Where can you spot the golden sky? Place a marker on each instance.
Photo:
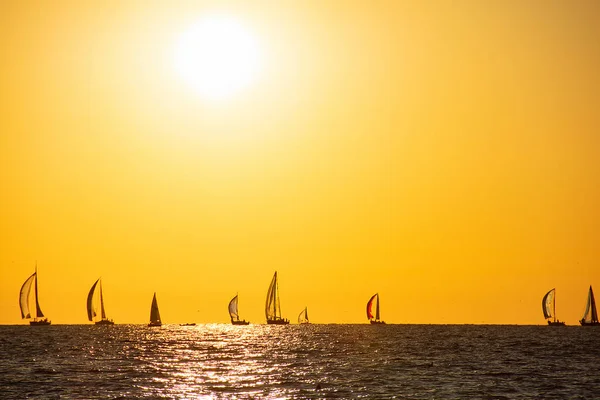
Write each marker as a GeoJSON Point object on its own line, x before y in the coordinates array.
{"type": "Point", "coordinates": [445, 154]}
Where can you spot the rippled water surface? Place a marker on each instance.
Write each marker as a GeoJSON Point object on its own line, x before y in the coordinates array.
{"type": "Point", "coordinates": [296, 362]}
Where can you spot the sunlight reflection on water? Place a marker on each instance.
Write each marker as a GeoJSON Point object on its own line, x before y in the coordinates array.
{"type": "Point", "coordinates": [311, 361]}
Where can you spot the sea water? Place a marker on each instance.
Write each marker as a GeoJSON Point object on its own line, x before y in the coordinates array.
{"type": "Point", "coordinates": [300, 362]}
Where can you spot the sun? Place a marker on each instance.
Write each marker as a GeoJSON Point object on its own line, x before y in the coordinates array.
{"type": "Point", "coordinates": [217, 57]}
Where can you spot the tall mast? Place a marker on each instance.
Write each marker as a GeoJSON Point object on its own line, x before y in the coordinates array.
{"type": "Point", "coordinates": [277, 303]}
{"type": "Point", "coordinates": [35, 291]}
{"type": "Point", "coordinates": [554, 306]}
{"type": "Point", "coordinates": [102, 313]}
{"type": "Point", "coordinates": [594, 314]}
{"type": "Point", "coordinates": [275, 296]}
{"type": "Point", "coordinates": [38, 310]}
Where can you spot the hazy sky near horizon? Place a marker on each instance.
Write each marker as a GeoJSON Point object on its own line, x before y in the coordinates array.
{"type": "Point", "coordinates": [445, 154]}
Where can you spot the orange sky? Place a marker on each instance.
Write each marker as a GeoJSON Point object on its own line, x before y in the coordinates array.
{"type": "Point", "coordinates": [444, 154]}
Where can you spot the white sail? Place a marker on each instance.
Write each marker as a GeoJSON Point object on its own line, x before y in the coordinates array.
{"type": "Point", "coordinates": [233, 309]}
{"type": "Point", "coordinates": [91, 310]}
{"type": "Point", "coordinates": [271, 303]}
{"type": "Point", "coordinates": [94, 296]}
{"type": "Point", "coordinates": [303, 317]}
{"type": "Point", "coordinates": [154, 313]}
{"type": "Point", "coordinates": [24, 296]}
{"type": "Point", "coordinates": [548, 304]}
{"type": "Point", "coordinates": [24, 306]}
{"type": "Point", "coordinates": [590, 316]}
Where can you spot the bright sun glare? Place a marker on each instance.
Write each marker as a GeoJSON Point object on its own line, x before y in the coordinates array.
{"type": "Point", "coordinates": [217, 57]}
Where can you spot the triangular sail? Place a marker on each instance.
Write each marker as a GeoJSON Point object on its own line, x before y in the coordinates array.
{"type": "Point", "coordinates": [377, 309]}
{"type": "Point", "coordinates": [90, 306]}
{"type": "Point", "coordinates": [102, 312]}
{"type": "Point", "coordinates": [38, 310]}
{"type": "Point", "coordinates": [233, 309]}
{"type": "Point", "coordinates": [590, 314]}
{"type": "Point", "coordinates": [593, 306]}
{"type": "Point", "coordinates": [277, 301]}
{"type": "Point", "coordinates": [370, 307]}
{"type": "Point", "coordinates": [154, 313]}
{"type": "Point", "coordinates": [271, 306]}
{"type": "Point", "coordinates": [303, 316]}
{"type": "Point", "coordinates": [548, 304]}
{"type": "Point", "coordinates": [24, 296]}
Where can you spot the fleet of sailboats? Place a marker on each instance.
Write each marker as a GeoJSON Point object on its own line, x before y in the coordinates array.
{"type": "Point", "coordinates": [374, 320]}
{"type": "Point", "coordinates": [273, 305]}
{"type": "Point", "coordinates": [549, 308]}
{"type": "Point", "coordinates": [91, 309]}
{"type": "Point", "coordinates": [154, 313]}
{"type": "Point", "coordinates": [590, 315]}
{"type": "Point", "coordinates": [233, 312]}
{"type": "Point", "coordinates": [38, 316]}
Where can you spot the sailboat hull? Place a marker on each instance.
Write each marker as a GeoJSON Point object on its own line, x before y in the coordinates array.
{"type": "Point", "coordinates": [278, 322]}
{"type": "Point", "coordinates": [373, 322]}
{"type": "Point", "coordinates": [240, 322]}
{"type": "Point", "coordinates": [593, 323]}
{"type": "Point", "coordinates": [556, 323]}
{"type": "Point", "coordinates": [153, 324]}
{"type": "Point", "coordinates": [105, 322]}
{"type": "Point", "coordinates": [40, 322]}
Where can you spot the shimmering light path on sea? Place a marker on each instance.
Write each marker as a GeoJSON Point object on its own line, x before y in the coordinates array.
{"type": "Point", "coordinates": [311, 361]}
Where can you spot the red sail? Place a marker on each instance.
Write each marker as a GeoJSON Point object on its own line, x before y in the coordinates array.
{"type": "Point", "coordinates": [370, 306]}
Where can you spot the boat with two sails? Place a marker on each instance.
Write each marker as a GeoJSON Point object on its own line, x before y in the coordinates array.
{"type": "Point", "coordinates": [549, 308]}
{"type": "Point", "coordinates": [91, 309]}
{"type": "Point", "coordinates": [154, 313]}
{"type": "Point", "coordinates": [374, 319]}
{"type": "Point", "coordinates": [273, 305]}
{"type": "Point", "coordinates": [303, 316]}
{"type": "Point", "coordinates": [234, 314]}
{"type": "Point", "coordinates": [38, 318]}
{"type": "Point", "coordinates": [590, 315]}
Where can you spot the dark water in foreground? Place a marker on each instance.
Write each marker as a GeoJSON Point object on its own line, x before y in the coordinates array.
{"type": "Point", "coordinates": [259, 361]}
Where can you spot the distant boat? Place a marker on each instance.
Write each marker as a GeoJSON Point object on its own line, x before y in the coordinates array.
{"type": "Point", "coordinates": [91, 310]}
{"type": "Point", "coordinates": [303, 317]}
{"type": "Point", "coordinates": [549, 308]}
{"type": "Point", "coordinates": [590, 316]}
{"type": "Point", "coordinates": [233, 312]}
{"type": "Point", "coordinates": [374, 320]}
{"type": "Point", "coordinates": [273, 306]}
{"type": "Point", "coordinates": [24, 302]}
{"type": "Point", "coordinates": [154, 313]}
{"type": "Point", "coordinates": [188, 324]}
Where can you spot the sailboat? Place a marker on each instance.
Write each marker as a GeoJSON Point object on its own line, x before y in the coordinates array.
{"type": "Point", "coordinates": [303, 317]}
{"type": "Point", "coordinates": [376, 319]}
{"type": "Point", "coordinates": [590, 316]}
{"type": "Point", "coordinates": [154, 313]}
{"type": "Point", "coordinates": [24, 302]}
{"type": "Point", "coordinates": [233, 312]}
{"type": "Point", "coordinates": [549, 308]}
{"type": "Point", "coordinates": [91, 310]}
{"type": "Point", "coordinates": [273, 306]}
